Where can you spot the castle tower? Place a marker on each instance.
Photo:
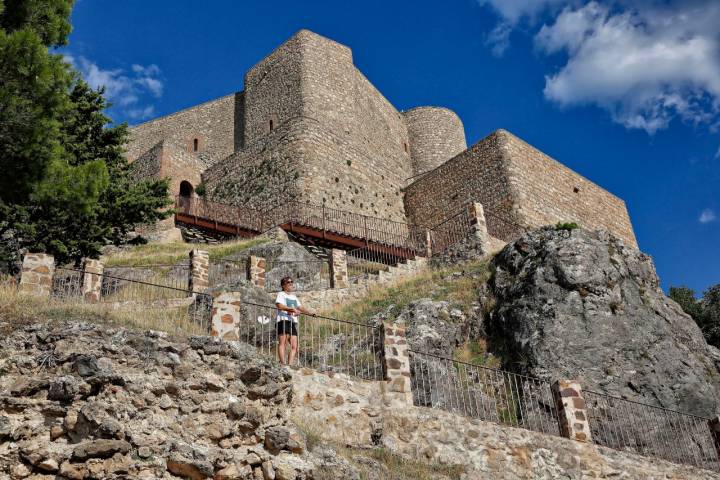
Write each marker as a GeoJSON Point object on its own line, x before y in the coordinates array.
{"type": "Point", "coordinates": [436, 135]}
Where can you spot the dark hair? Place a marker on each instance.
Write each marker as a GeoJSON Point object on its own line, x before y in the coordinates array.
{"type": "Point", "coordinates": [284, 281]}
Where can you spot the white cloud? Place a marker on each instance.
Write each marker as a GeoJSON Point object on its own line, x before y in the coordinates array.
{"type": "Point", "coordinates": [123, 89]}
{"type": "Point", "coordinates": [707, 216]}
{"type": "Point", "coordinates": [645, 66]}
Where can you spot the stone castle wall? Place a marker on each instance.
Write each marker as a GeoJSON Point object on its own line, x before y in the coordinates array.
{"type": "Point", "coordinates": [436, 135]}
{"type": "Point", "coordinates": [169, 160]}
{"type": "Point", "coordinates": [216, 125]}
{"type": "Point", "coordinates": [549, 192]}
{"type": "Point", "coordinates": [518, 186]}
{"type": "Point", "coordinates": [310, 126]}
{"type": "Point", "coordinates": [477, 174]}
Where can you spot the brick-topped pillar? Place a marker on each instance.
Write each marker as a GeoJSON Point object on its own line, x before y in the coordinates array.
{"type": "Point", "coordinates": [37, 274]}
{"type": "Point", "coordinates": [338, 269]}
{"type": "Point", "coordinates": [225, 320]}
{"type": "Point", "coordinates": [199, 278]}
{"type": "Point", "coordinates": [92, 280]}
{"type": "Point", "coordinates": [256, 271]}
{"type": "Point", "coordinates": [476, 215]}
{"type": "Point", "coordinates": [397, 364]}
{"type": "Point", "coordinates": [572, 413]}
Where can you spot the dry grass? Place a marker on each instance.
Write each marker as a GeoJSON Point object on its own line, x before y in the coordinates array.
{"type": "Point", "coordinates": [457, 285]}
{"type": "Point", "coordinates": [475, 352]}
{"type": "Point", "coordinates": [175, 252]}
{"type": "Point", "coordinates": [20, 309]}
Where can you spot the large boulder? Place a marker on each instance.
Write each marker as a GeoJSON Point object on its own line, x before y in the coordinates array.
{"type": "Point", "coordinates": [581, 304]}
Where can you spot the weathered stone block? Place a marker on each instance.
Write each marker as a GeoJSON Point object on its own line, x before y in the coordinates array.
{"type": "Point", "coordinates": [256, 271]}
{"type": "Point", "coordinates": [338, 269]}
{"type": "Point", "coordinates": [92, 280]}
{"type": "Point", "coordinates": [199, 271]}
{"type": "Point", "coordinates": [226, 316]}
{"type": "Point", "coordinates": [37, 273]}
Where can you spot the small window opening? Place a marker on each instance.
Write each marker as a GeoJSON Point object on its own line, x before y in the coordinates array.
{"type": "Point", "coordinates": [576, 190]}
{"type": "Point", "coordinates": [272, 125]}
{"type": "Point", "coordinates": [405, 147]}
{"type": "Point", "coordinates": [195, 145]}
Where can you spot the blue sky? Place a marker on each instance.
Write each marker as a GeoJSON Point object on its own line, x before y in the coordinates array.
{"type": "Point", "coordinates": [626, 93]}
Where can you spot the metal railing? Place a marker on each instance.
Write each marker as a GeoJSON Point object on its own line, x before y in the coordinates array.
{"type": "Point", "coordinates": [450, 232]}
{"type": "Point", "coordinates": [484, 393]}
{"type": "Point", "coordinates": [319, 217]}
{"type": "Point", "coordinates": [227, 271]}
{"type": "Point", "coordinates": [175, 275]}
{"type": "Point", "coordinates": [306, 274]}
{"type": "Point", "coordinates": [365, 262]}
{"type": "Point", "coordinates": [133, 302]}
{"type": "Point", "coordinates": [324, 343]}
{"type": "Point", "coordinates": [650, 431]}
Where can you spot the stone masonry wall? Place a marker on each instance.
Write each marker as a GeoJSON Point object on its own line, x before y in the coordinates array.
{"type": "Point", "coordinates": [436, 135]}
{"type": "Point", "coordinates": [549, 192]}
{"type": "Point", "coordinates": [516, 184]}
{"type": "Point", "coordinates": [355, 412]}
{"type": "Point", "coordinates": [478, 174]}
{"type": "Point", "coordinates": [215, 124]}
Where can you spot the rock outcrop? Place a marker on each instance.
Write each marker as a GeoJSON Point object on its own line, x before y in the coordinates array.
{"type": "Point", "coordinates": [85, 401]}
{"type": "Point", "coordinates": [580, 304]}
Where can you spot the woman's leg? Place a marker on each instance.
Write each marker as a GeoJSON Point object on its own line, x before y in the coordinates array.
{"type": "Point", "coordinates": [281, 348]}
{"type": "Point", "coordinates": [293, 348]}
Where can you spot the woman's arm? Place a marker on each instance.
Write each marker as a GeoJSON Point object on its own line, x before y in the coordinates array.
{"type": "Point", "coordinates": [284, 308]}
{"type": "Point", "coordinates": [306, 311]}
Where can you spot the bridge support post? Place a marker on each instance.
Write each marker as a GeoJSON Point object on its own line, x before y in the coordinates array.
{"type": "Point", "coordinates": [199, 278]}
{"type": "Point", "coordinates": [37, 274]}
{"type": "Point", "coordinates": [572, 412]}
{"type": "Point", "coordinates": [256, 270]}
{"type": "Point", "coordinates": [397, 366]}
{"type": "Point", "coordinates": [92, 280]}
{"type": "Point", "coordinates": [476, 215]}
{"type": "Point", "coordinates": [338, 269]}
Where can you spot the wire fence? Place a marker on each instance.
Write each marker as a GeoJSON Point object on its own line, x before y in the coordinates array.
{"type": "Point", "coordinates": [484, 393]}
{"type": "Point", "coordinates": [227, 271]}
{"type": "Point", "coordinates": [306, 274]}
{"type": "Point", "coordinates": [132, 302]}
{"type": "Point", "coordinates": [450, 232]}
{"type": "Point", "coordinates": [324, 344]}
{"type": "Point", "coordinates": [650, 431]}
{"type": "Point", "coordinates": [175, 275]}
{"type": "Point", "coordinates": [365, 262]}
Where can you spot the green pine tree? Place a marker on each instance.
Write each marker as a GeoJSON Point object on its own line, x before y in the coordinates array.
{"type": "Point", "coordinates": [66, 187]}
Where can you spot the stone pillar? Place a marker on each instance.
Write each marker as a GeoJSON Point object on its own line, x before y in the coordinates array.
{"type": "Point", "coordinates": [397, 365]}
{"type": "Point", "coordinates": [477, 221]}
{"type": "Point", "coordinates": [225, 320]}
{"type": "Point", "coordinates": [428, 243]}
{"type": "Point", "coordinates": [199, 278]}
{"type": "Point", "coordinates": [92, 280]}
{"type": "Point", "coordinates": [256, 271]}
{"type": "Point", "coordinates": [572, 413]}
{"type": "Point", "coordinates": [338, 269]}
{"type": "Point", "coordinates": [37, 274]}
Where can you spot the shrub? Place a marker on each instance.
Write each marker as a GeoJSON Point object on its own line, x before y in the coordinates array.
{"type": "Point", "coordinates": [566, 226]}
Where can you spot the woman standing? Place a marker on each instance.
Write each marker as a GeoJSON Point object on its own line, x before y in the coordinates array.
{"type": "Point", "coordinates": [289, 310]}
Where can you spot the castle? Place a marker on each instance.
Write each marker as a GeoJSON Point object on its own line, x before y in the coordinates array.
{"type": "Point", "coordinates": [310, 126]}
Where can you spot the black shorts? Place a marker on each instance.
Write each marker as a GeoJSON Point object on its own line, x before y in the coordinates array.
{"type": "Point", "coordinates": [286, 327]}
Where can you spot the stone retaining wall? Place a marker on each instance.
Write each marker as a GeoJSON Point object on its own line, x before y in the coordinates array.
{"type": "Point", "coordinates": [357, 412]}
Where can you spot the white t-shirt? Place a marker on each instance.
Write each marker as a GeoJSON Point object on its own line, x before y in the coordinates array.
{"type": "Point", "coordinates": [289, 300]}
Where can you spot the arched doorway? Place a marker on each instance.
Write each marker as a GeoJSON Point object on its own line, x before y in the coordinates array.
{"type": "Point", "coordinates": [186, 194]}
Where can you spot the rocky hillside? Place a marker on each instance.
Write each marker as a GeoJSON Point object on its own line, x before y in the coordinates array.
{"type": "Point", "coordinates": [580, 304]}
{"type": "Point", "coordinates": [83, 401]}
